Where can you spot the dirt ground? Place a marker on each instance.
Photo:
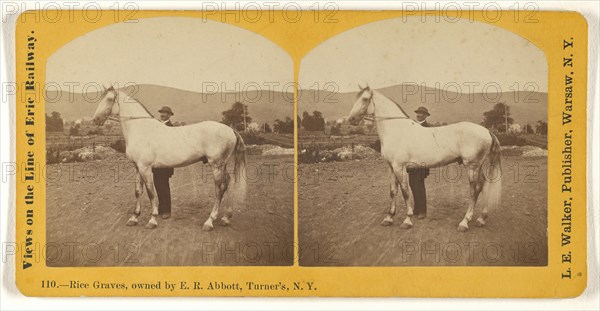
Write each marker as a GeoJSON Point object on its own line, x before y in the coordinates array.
{"type": "Point", "coordinates": [89, 203]}
{"type": "Point", "coordinates": [341, 206]}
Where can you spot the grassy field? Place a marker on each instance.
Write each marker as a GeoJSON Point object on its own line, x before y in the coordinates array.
{"type": "Point", "coordinates": [322, 141]}
{"type": "Point", "coordinates": [89, 203]}
{"type": "Point", "coordinates": [283, 140]}
{"type": "Point", "coordinates": [341, 206]}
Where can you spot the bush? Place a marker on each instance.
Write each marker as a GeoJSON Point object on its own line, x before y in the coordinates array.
{"type": "Point", "coordinates": [314, 154]}
{"type": "Point", "coordinates": [119, 145]}
{"type": "Point", "coordinates": [96, 131]}
{"type": "Point", "coordinates": [376, 145]}
{"type": "Point", "coordinates": [52, 155]}
{"type": "Point", "coordinates": [357, 131]}
{"type": "Point", "coordinates": [509, 139]}
{"type": "Point", "coordinates": [74, 130]}
{"type": "Point", "coordinates": [336, 130]}
{"type": "Point", "coordinates": [253, 138]}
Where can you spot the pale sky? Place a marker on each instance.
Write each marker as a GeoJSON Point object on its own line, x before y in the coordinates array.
{"type": "Point", "coordinates": [394, 51]}
{"type": "Point", "coordinates": [171, 51]}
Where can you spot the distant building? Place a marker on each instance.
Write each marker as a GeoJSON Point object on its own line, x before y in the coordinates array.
{"type": "Point", "coordinates": [515, 128]}
{"type": "Point", "coordinates": [253, 127]}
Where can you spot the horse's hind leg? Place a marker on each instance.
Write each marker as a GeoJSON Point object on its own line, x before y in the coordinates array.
{"type": "Point", "coordinates": [220, 188]}
{"type": "Point", "coordinates": [148, 179]}
{"type": "Point", "coordinates": [481, 219]}
{"type": "Point", "coordinates": [229, 209]}
{"type": "Point", "coordinates": [484, 212]}
{"type": "Point", "coordinates": [388, 220]}
{"type": "Point", "coordinates": [475, 188]}
{"type": "Point", "coordinates": [139, 190]}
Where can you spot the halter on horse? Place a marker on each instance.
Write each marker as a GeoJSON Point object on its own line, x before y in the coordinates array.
{"type": "Point", "coordinates": [404, 143]}
{"type": "Point", "coordinates": [151, 144]}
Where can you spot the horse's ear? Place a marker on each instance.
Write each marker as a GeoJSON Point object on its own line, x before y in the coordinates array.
{"type": "Point", "coordinates": [360, 87]}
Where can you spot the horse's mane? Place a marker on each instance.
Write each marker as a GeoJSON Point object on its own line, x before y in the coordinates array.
{"type": "Point", "coordinates": [143, 106]}
{"type": "Point", "coordinates": [399, 106]}
{"type": "Point", "coordinates": [395, 103]}
{"type": "Point", "coordinates": [139, 102]}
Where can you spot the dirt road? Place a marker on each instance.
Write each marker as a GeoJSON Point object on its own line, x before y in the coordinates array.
{"type": "Point", "coordinates": [89, 203]}
{"type": "Point", "coordinates": [341, 205]}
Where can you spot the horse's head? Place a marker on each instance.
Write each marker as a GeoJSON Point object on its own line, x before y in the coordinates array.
{"type": "Point", "coordinates": [106, 105]}
{"type": "Point", "coordinates": [359, 110]}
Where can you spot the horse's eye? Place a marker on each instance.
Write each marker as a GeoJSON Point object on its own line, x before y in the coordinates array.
{"type": "Point", "coordinates": [365, 100]}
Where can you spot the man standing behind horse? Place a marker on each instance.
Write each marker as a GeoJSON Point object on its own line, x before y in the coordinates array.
{"type": "Point", "coordinates": [417, 175]}
{"type": "Point", "coordinates": [162, 175]}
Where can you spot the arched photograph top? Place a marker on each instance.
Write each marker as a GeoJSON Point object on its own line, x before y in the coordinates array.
{"type": "Point", "coordinates": [418, 124]}
{"type": "Point", "coordinates": [171, 126]}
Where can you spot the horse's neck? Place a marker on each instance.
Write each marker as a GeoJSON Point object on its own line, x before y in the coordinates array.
{"type": "Point", "coordinates": [129, 110]}
{"type": "Point", "coordinates": [385, 113]}
{"type": "Point", "coordinates": [385, 107]}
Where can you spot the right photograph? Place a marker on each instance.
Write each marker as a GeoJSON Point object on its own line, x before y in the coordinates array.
{"type": "Point", "coordinates": [423, 142]}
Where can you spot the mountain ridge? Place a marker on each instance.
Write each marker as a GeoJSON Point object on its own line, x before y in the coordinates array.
{"type": "Point", "coordinates": [188, 106]}
{"type": "Point", "coordinates": [443, 105]}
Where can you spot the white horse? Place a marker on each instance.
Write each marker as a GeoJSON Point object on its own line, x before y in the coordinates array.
{"type": "Point", "coordinates": [405, 143]}
{"type": "Point", "coordinates": [151, 144]}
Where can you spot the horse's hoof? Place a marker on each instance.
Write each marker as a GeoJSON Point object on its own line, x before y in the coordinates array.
{"type": "Point", "coordinates": [131, 223]}
{"type": "Point", "coordinates": [224, 222]}
{"type": "Point", "coordinates": [480, 223]}
{"type": "Point", "coordinates": [207, 228]}
{"type": "Point", "coordinates": [151, 226]}
{"type": "Point", "coordinates": [387, 222]}
{"type": "Point", "coordinates": [405, 226]}
{"type": "Point", "coordinates": [462, 228]}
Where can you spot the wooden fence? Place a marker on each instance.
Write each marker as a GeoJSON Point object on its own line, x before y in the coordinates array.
{"type": "Point", "coordinates": [63, 142]}
{"type": "Point", "coordinates": [323, 142]}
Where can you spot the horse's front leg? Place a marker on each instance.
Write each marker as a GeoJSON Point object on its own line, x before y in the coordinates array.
{"type": "Point", "coordinates": [139, 191]}
{"type": "Point", "coordinates": [388, 220]}
{"type": "Point", "coordinates": [148, 178]}
{"type": "Point", "coordinates": [219, 175]}
{"type": "Point", "coordinates": [402, 177]}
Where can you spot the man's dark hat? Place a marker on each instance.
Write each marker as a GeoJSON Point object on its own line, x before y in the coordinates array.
{"type": "Point", "coordinates": [166, 109]}
{"type": "Point", "coordinates": [422, 110]}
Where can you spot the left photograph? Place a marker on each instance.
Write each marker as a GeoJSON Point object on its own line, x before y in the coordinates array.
{"type": "Point", "coordinates": [169, 142]}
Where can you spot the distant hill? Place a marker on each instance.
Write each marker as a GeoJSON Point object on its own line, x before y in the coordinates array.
{"type": "Point", "coordinates": [524, 106]}
{"type": "Point", "coordinates": [188, 106]}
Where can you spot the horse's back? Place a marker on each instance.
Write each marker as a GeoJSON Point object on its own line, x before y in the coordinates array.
{"type": "Point", "coordinates": [208, 125]}
{"type": "Point", "coordinates": [216, 138]}
{"type": "Point", "coordinates": [465, 129]}
{"type": "Point", "coordinates": [216, 130]}
{"type": "Point", "coordinates": [177, 146]}
{"type": "Point", "coordinates": [472, 139]}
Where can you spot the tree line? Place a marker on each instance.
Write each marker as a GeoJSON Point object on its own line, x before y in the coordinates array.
{"type": "Point", "coordinates": [238, 117]}
{"type": "Point", "coordinates": [499, 119]}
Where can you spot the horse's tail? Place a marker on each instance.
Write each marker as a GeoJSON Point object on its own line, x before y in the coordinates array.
{"type": "Point", "coordinates": [238, 182]}
{"type": "Point", "coordinates": [492, 186]}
